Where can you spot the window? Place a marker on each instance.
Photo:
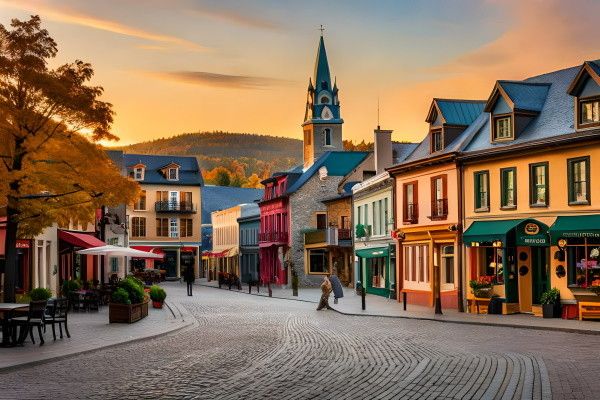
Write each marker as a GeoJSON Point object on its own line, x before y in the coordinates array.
{"type": "Point", "coordinates": [375, 217]}
{"type": "Point", "coordinates": [187, 227]}
{"type": "Point", "coordinates": [416, 263]}
{"type": "Point", "coordinates": [162, 196]}
{"type": "Point", "coordinates": [582, 261]}
{"type": "Point", "coordinates": [327, 136]}
{"type": "Point", "coordinates": [174, 229]}
{"type": "Point", "coordinates": [508, 177]}
{"type": "Point", "coordinates": [321, 221]}
{"type": "Point", "coordinates": [538, 180]}
{"type": "Point", "coordinates": [317, 261]}
{"type": "Point", "coordinates": [138, 173]}
{"type": "Point", "coordinates": [345, 222]}
{"type": "Point", "coordinates": [138, 226]}
{"type": "Point", "coordinates": [447, 263]}
{"type": "Point", "coordinates": [140, 204]}
{"type": "Point", "coordinates": [173, 174]}
{"type": "Point", "coordinates": [482, 194]}
{"type": "Point", "coordinates": [186, 201]}
{"type": "Point", "coordinates": [579, 180]}
{"type": "Point", "coordinates": [162, 227]}
{"type": "Point", "coordinates": [589, 112]}
{"type": "Point", "coordinates": [439, 202]}
{"type": "Point", "coordinates": [377, 270]}
{"type": "Point", "coordinates": [114, 264]}
{"type": "Point", "coordinates": [410, 202]}
{"type": "Point", "coordinates": [502, 128]}
{"type": "Point", "coordinates": [493, 263]}
{"type": "Point", "coordinates": [437, 140]}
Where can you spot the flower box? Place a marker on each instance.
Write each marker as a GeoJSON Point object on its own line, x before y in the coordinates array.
{"type": "Point", "coordinates": [127, 313]}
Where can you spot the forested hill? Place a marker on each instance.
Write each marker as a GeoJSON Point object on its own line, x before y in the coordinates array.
{"type": "Point", "coordinates": [246, 158]}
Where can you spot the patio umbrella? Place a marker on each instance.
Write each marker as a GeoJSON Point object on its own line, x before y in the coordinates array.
{"type": "Point", "coordinates": [110, 250]}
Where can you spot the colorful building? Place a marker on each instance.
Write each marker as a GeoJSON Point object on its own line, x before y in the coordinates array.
{"type": "Point", "coordinates": [249, 224]}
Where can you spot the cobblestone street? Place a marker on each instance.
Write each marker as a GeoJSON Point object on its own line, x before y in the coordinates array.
{"type": "Point", "coordinates": [244, 346]}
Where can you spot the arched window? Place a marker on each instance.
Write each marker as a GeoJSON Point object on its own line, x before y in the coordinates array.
{"type": "Point", "coordinates": [324, 100]}
{"type": "Point", "coordinates": [327, 136]}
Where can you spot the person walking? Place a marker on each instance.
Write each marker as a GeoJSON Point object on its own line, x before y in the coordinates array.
{"type": "Point", "coordinates": [336, 285]}
{"type": "Point", "coordinates": [189, 278]}
{"type": "Point", "coordinates": [325, 292]}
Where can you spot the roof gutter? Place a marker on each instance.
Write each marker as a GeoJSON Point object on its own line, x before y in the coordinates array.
{"type": "Point", "coordinates": [397, 169]}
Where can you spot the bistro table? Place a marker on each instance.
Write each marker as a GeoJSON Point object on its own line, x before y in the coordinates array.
{"type": "Point", "coordinates": [7, 309]}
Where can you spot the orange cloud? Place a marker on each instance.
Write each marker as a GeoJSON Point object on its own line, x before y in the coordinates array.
{"type": "Point", "coordinates": [237, 18]}
{"type": "Point", "coordinates": [216, 80]}
{"type": "Point", "coordinates": [76, 18]}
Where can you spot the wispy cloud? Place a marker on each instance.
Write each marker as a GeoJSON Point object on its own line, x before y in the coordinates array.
{"type": "Point", "coordinates": [70, 16]}
{"type": "Point", "coordinates": [236, 18]}
{"type": "Point", "coordinates": [216, 80]}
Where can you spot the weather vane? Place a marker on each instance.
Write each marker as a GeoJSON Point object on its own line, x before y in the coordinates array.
{"type": "Point", "coordinates": [321, 29]}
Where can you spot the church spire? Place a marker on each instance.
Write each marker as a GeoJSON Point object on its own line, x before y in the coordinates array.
{"type": "Point", "coordinates": [322, 75]}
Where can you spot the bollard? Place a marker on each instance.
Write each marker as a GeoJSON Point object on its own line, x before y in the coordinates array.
{"type": "Point", "coordinates": [404, 300]}
{"type": "Point", "coordinates": [362, 295]}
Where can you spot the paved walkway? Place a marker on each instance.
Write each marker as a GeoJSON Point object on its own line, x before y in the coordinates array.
{"type": "Point", "coordinates": [377, 306]}
{"type": "Point", "coordinates": [91, 331]}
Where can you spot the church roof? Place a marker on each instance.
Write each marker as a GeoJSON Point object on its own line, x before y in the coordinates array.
{"type": "Point", "coordinates": [322, 67]}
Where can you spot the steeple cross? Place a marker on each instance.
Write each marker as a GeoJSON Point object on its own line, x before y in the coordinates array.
{"type": "Point", "coordinates": [321, 29]}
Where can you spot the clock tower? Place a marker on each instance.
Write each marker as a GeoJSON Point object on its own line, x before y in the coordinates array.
{"type": "Point", "coordinates": [322, 122]}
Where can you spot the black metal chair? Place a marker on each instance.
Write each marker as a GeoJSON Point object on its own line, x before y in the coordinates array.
{"type": "Point", "coordinates": [35, 318]}
{"type": "Point", "coordinates": [91, 301]}
{"type": "Point", "coordinates": [58, 316]}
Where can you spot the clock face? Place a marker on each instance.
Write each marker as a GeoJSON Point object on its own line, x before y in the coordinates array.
{"type": "Point", "coordinates": [326, 113]}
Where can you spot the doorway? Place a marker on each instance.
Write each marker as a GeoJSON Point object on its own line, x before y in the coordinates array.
{"type": "Point", "coordinates": [539, 266]}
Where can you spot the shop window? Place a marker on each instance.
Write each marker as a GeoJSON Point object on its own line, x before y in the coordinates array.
{"type": "Point", "coordinates": [447, 264]}
{"type": "Point", "coordinates": [317, 263]}
{"type": "Point", "coordinates": [579, 180]}
{"type": "Point", "coordinates": [482, 191]}
{"type": "Point", "coordinates": [538, 181]}
{"type": "Point", "coordinates": [508, 177]}
{"type": "Point", "coordinates": [492, 264]}
{"type": "Point", "coordinates": [377, 267]}
{"type": "Point", "coordinates": [416, 263]}
{"type": "Point", "coordinates": [583, 262]}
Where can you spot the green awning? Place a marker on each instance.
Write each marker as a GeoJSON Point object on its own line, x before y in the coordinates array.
{"type": "Point", "coordinates": [373, 252]}
{"type": "Point", "coordinates": [581, 226]}
{"type": "Point", "coordinates": [527, 232]}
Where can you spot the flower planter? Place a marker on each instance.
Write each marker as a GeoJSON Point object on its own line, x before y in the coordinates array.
{"type": "Point", "coordinates": [127, 313]}
{"type": "Point", "coordinates": [551, 310]}
{"type": "Point", "coordinates": [483, 293]}
{"type": "Point", "coordinates": [157, 304]}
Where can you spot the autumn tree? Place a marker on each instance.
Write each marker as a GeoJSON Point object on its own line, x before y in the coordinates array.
{"type": "Point", "coordinates": [52, 168]}
{"type": "Point", "coordinates": [253, 181]}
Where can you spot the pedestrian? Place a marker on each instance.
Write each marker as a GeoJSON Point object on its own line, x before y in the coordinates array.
{"type": "Point", "coordinates": [189, 278]}
{"type": "Point", "coordinates": [336, 285]}
{"type": "Point", "coordinates": [325, 292]}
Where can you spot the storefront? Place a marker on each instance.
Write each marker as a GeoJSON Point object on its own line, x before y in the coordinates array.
{"type": "Point", "coordinates": [514, 255]}
{"type": "Point", "coordinates": [374, 269]}
{"type": "Point", "coordinates": [77, 266]}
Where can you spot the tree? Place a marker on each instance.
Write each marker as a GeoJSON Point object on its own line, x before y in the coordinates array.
{"type": "Point", "coordinates": [52, 168]}
{"type": "Point", "coordinates": [253, 182]}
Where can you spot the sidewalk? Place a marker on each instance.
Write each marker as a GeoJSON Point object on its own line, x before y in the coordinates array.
{"type": "Point", "coordinates": [91, 331]}
{"type": "Point", "coordinates": [377, 306]}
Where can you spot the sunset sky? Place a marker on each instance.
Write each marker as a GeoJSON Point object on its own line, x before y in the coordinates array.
{"type": "Point", "coordinates": [243, 66]}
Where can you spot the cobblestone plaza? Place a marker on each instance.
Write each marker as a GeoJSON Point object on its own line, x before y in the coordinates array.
{"type": "Point", "coordinates": [250, 347]}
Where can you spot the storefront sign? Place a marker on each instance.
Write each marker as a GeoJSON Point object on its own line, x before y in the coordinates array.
{"type": "Point", "coordinates": [530, 234]}
{"type": "Point", "coordinates": [22, 244]}
{"type": "Point", "coordinates": [532, 229]}
{"type": "Point", "coordinates": [581, 234]}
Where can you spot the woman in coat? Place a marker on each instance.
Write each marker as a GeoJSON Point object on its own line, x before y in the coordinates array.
{"type": "Point", "coordinates": [325, 292]}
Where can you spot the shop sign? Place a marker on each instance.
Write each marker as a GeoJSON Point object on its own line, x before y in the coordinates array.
{"type": "Point", "coordinates": [22, 244]}
{"type": "Point", "coordinates": [532, 235]}
{"type": "Point", "coordinates": [581, 234]}
{"type": "Point", "coordinates": [532, 229]}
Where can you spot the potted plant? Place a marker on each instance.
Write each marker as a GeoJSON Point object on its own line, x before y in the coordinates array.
{"type": "Point", "coordinates": [39, 294]}
{"type": "Point", "coordinates": [482, 287]}
{"type": "Point", "coordinates": [70, 286]}
{"type": "Point", "coordinates": [157, 295]}
{"type": "Point", "coordinates": [550, 300]}
{"type": "Point", "coordinates": [129, 303]}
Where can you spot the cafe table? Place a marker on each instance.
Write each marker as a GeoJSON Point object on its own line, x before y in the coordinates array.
{"type": "Point", "coordinates": [8, 309]}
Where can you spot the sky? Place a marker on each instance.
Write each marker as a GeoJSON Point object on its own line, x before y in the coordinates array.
{"type": "Point", "coordinates": [175, 66]}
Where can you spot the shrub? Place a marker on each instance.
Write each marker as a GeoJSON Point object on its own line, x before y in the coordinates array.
{"type": "Point", "coordinates": [550, 296]}
{"type": "Point", "coordinates": [69, 286]}
{"type": "Point", "coordinates": [134, 288]}
{"type": "Point", "coordinates": [38, 294]}
{"type": "Point", "coordinates": [157, 293]}
{"type": "Point", "coordinates": [120, 296]}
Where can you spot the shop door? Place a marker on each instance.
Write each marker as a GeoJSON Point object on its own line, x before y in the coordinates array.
{"type": "Point", "coordinates": [539, 266]}
{"type": "Point", "coordinates": [169, 264]}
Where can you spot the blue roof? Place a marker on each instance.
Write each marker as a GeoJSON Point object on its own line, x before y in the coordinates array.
{"type": "Point", "coordinates": [215, 198]}
{"type": "Point", "coordinates": [555, 117]}
{"type": "Point", "coordinates": [189, 171]}
{"type": "Point", "coordinates": [338, 163]}
{"type": "Point", "coordinates": [528, 96]}
{"type": "Point", "coordinates": [459, 112]}
{"type": "Point", "coordinates": [595, 66]}
{"type": "Point", "coordinates": [402, 150]}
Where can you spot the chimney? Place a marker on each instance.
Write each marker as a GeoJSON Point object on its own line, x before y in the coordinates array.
{"type": "Point", "coordinates": [383, 149]}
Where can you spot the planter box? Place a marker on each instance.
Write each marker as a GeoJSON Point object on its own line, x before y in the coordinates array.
{"type": "Point", "coordinates": [127, 313]}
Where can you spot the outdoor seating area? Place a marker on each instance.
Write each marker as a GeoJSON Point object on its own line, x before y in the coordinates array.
{"type": "Point", "coordinates": [230, 280]}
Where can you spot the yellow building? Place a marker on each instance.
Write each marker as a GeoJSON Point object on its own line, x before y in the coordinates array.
{"type": "Point", "coordinates": [166, 218]}
{"type": "Point", "coordinates": [226, 240]}
{"type": "Point", "coordinates": [531, 202]}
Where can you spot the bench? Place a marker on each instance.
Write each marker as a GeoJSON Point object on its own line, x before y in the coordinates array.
{"type": "Point", "coordinates": [589, 310]}
{"type": "Point", "coordinates": [478, 302]}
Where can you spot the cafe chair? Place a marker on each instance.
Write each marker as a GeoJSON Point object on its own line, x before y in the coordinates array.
{"type": "Point", "coordinates": [58, 316]}
{"type": "Point", "coordinates": [34, 318]}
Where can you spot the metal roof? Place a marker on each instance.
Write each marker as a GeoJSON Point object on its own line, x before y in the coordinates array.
{"type": "Point", "coordinates": [527, 96]}
{"type": "Point", "coordinates": [215, 198]}
{"type": "Point", "coordinates": [189, 171]}
{"type": "Point", "coordinates": [459, 112]}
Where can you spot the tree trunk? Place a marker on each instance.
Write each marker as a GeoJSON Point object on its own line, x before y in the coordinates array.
{"type": "Point", "coordinates": [11, 266]}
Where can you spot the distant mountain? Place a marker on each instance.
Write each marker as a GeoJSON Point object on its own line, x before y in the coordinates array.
{"type": "Point", "coordinates": [240, 154]}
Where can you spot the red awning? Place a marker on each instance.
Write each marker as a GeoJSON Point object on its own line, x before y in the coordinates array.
{"type": "Point", "coordinates": [191, 249]}
{"type": "Point", "coordinates": [80, 239]}
{"type": "Point", "coordinates": [150, 249]}
{"type": "Point", "coordinates": [215, 254]}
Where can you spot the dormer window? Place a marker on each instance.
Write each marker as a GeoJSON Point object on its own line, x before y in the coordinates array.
{"type": "Point", "coordinates": [589, 112]}
{"type": "Point", "coordinates": [138, 173]}
{"type": "Point", "coordinates": [437, 140]}
{"type": "Point", "coordinates": [502, 128]}
{"type": "Point", "coordinates": [173, 174]}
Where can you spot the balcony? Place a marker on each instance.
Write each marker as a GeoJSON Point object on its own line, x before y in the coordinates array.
{"type": "Point", "coordinates": [179, 207]}
{"type": "Point", "coordinates": [411, 214]}
{"type": "Point", "coordinates": [330, 237]}
{"type": "Point", "coordinates": [439, 209]}
{"type": "Point", "coordinates": [273, 237]}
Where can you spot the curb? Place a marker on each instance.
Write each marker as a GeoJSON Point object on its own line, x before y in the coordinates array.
{"type": "Point", "coordinates": [450, 321]}
{"type": "Point", "coordinates": [28, 364]}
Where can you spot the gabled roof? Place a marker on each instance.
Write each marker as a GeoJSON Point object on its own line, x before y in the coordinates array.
{"type": "Point", "coordinates": [215, 198]}
{"type": "Point", "coordinates": [401, 151]}
{"type": "Point", "coordinates": [589, 69]}
{"type": "Point", "coordinates": [520, 95]}
{"type": "Point", "coordinates": [189, 171]}
{"type": "Point", "coordinates": [455, 111]}
{"type": "Point", "coordinates": [338, 163]}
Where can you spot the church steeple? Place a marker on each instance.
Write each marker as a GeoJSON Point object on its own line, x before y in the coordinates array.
{"type": "Point", "coordinates": [322, 120]}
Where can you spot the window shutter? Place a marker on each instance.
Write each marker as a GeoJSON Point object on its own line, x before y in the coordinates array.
{"type": "Point", "coordinates": [416, 199]}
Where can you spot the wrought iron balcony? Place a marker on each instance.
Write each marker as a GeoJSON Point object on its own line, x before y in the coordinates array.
{"type": "Point", "coordinates": [181, 207]}
{"type": "Point", "coordinates": [274, 237]}
{"type": "Point", "coordinates": [439, 209]}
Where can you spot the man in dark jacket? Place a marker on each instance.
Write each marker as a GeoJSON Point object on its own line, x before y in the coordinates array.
{"type": "Point", "coordinates": [336, 286]}
{"type": "Point", "coordinates": [189, 278]}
